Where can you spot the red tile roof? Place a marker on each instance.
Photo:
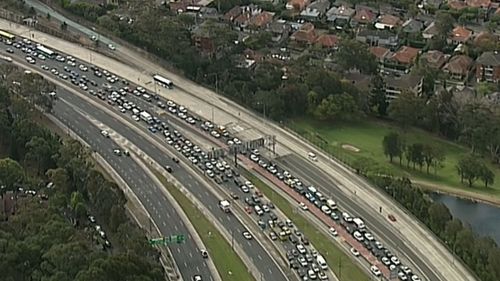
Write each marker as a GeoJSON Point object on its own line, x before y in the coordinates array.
{"type": "Point", "coordinates": [389, 20]}
{"type": "Point", "coordinates": [478, 3]}
{"type": "Point", "coordinates": [406, 55]}
{"type": "Point", "coordinates": [232, 14]}
{"type": "Point", "coordinates": [364, 16]}
{"type": "Point", "coordinates": [379, 52]}
{"type": "Point", "coordinates": [262, 19]}
{"type": "Point", "coordinates": [327, 40]}
{"type": "Point", "coordinates": [459, 65]}
{"type": "Point", "coordinates": [457, 5]}
{"type": "Point", "coordinates": [305, 34]}
{"type": "Point", "coordinates": [460, 34]}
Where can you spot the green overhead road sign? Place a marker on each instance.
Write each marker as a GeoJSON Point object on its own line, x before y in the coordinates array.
{"type": "Point", "coordinates": [172, 239]}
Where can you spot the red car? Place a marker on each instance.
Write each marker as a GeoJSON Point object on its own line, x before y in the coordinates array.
{"type": "Point", "coordinates": [248, 210]}
{"type": "Point", "coordinates": [391, 217]}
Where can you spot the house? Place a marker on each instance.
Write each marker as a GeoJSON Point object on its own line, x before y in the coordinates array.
{"type": "Point", "coordinates": [387, 22]}
{"type": "Point", "coordinates": [327, 41]}
{"type": "Point", "coordinates": [432, 4]}
{"type": "Point", "coordinates": [232, 14]}
{"type": "Point", "coordinates": [261, 21]}
{"type": "Point", "coordinates": [482, 4]}
{"type": "Point", "coordinates": [459, 35]}
{"type": "Point", "coordinates": [306, 35]}
{"type": "Point", "coordinates": [280, 30]}
{"type": "Point", "coordinates": [457, 5]}
{"type": "Point", "coordinates": [433, 59]}
{"type": "Point", "coordinates": [458, 69]}
{"type": "Point", "coordinates": [402, 60]}
{"type": "Point", "coordinates": [242, 21]}
{"type": "Point", "coordinates": [430, 31]}
{"type": "Point", "coordinates": [363, 16]}
{"type": "Point", "coordinates": [297, 5]}
{"type": "Point", "coordinates": [203, 38]}
{"type": "Point", "coordinates": [316, 9]}
{"type": "Point", "coordinates": [488, 67]}
{"type": "Point", "coordinates": [249, 59]}
{"type": "Point", "coordinates": [485, 38]}
{"type": "Point", "coordinates": [394, 86]}
{"type": "Point", "coordinates": [380, 53]}
{"type": "Point", "coordinates": [412, 26]}
{"type": "Point", "coordinates": [361, 81]}
{"type": "Point", "coordinates": [340, 16]}
{"type": "Point", "coordinates": [381, 38]}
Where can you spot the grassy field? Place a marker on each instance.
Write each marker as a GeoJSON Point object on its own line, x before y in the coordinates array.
{"type": "Point", "coordinates": [367, 136]}
{"type": "Point", "coordinates": [228, 263]}
{"type": "Point", "coordinates": [338, 261]}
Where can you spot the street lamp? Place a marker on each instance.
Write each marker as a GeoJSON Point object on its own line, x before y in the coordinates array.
{"type": "Point", "coordinates": [263, 110]}
{"type": "Point", "coordinates": [216, 89]}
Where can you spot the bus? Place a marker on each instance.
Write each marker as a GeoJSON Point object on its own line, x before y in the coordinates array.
{"type": "Point", "coordinates": [46, 51]}
{"type": "Point", "coordinates": [163, 81]}
{"type": "Point", "coordinates": [6, 35]}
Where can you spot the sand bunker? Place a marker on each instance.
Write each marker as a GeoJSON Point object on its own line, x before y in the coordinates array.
{"type": "Point", "coordinates": [350, 148]}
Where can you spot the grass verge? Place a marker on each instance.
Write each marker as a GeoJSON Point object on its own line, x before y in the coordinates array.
{"type": "Point", "coordinates": [338, 261]}
{"type": "Point", "coordinates": [367, 135]}
{"type": "Point", "coordinates": [228, 263]}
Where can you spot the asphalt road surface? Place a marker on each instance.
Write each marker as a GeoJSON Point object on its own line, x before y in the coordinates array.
{"type": "Point", "coordinates": [260, 256]}
{"type": "Point", "coordinates": [187, 256]}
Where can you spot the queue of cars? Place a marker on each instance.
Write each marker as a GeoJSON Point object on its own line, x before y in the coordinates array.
{"type": "Point", "coordinates": [217, 169]}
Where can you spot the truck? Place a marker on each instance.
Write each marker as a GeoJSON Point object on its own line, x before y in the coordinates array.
{"type": "Point", "coordinates": [145, 116]}
{"type": "Point", "coordinates": [225, 206]}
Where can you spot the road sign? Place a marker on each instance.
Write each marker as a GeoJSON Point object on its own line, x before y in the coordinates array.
{"type": "Point", "coordinates": [172, 239]}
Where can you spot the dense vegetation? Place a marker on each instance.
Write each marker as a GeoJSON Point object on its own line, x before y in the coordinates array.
{"type": "Point", "coordinates": [481, 254]}
{"type": "Point", "coordinates": [49, 237]}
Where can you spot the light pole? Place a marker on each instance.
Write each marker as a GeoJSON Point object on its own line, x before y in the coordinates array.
{"type": "Point", "coordinates": [216, 89]}
{"type": "Point", "coordinates": [263, 110]}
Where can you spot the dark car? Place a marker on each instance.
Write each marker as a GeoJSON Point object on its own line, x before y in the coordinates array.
{"type": "Point", "coordinates": [168, 168]}
{"type": "Point", "coordinates": [175, 160]}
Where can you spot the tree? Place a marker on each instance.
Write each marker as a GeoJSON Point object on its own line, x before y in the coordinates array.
{"type": "Point", "coordinates": [406, 109]}
{"type": "Point", "coordinates": [486, 175]}
{"type": "Point", "coordinates": [393, 146]}
{"type": "Point", "coordinates": [117, 217]}
{"type": "Point", "coordinates": [11, 173]}
{"type": "Point", "coordinates": [39, 151]}
{"type": "Point", "coordinates": [378, 97]}
{"type": "Point", "coordinates": [353, 54]}
{"type": "Point", "coordinates": [439, 215]}
{"type": "Point", "coordinates": [431, 154]}
{"type": "Point", "coordinates": [364, 165]}
{"type": "Point", "coordinates": [415, 154]}
{"type": "Point", "coordinates": [469, 168]}
{"type": "Point", "coordinates": [48, 16]}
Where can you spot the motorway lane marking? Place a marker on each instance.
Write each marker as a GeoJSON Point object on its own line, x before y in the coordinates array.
{"type": "Point", "coordinates": [185, 264]}
{"type": "Point", "coordinates": [178, 250]}
{"type": "Point", "coordinates": [260, 258]}
{"type": "Point", "coordinates": [164, 224]}
{"type": "Point", "coordinates": [190, 255]}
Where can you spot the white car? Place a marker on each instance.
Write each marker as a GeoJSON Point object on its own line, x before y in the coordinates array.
{"type": "Point", "coordinates": [395, 260]}
{"type": "Point", "coordinates": [301, 249]}
{"type": "Point", "coordinates": [386, 261]}
{"type": "Point", "coordinates": [105, 133]}
{"type": "Point", "coordinates": [135, 118]}
{"type": "Point", "coordinates": [375, 271]}
{"type": "Point", "coordinates": [354, 252]}
{"type": "Point", "coordinates": [369, 236]}
{"type": "Point", "coordinates": [247, 235]}
{"type": "Point", "coordinates": [312, 156]}
{"type": "Point", "coordinates": [197, 278]}
{"type": "Point", "coordinates": [111, 47]}
{"type": "Point", "coordinates": [358, 236]}
{"type": "Point", "coordinates": [415, 278]}
{"type": "Point", "coordinates": [379, 245]}
{"type": "Point", "coordinates": [303, 206]}
{"type": "Point", "coordinates": [332, 231]}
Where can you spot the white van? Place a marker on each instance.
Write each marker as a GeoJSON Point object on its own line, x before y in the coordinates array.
{"type": "Point", "coordinates": [321, 261]}
{"type": "Point", "coordinates": [325, 209]}
{"type": "Point", "coordinates": [258, 210]}
{"type": "Point", "coordinates": [312, 156]}
{"type": "Point", "coordinates": [331, 204]}
{"type": "Point", "coordinates": [359, 223]}
{"type": "Point", "coordinates": [346, 217]}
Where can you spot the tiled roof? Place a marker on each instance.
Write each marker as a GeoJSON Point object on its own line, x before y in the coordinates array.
{"type": "Point", "coordinates": [305, 34]}
{"type": "Point", "coordinates": [364, 16]}
{"type": "Point", "coordinates": [460, 34]}
{"type": "Point", "coordinates": [459, 65]}
{"type": "Point", "coordinates": [405, 55]}
{"type": "Point", "coordinates": [327, 40]}
{"type": "Point", "coordinates": [262, 19]}
{"type": "Point", "coordinates": [232, 14]}
{"type": "Point", "coordinates": [389, 20]}
{"type": "Point", "coordinates": [484, 37]}
{"type": "Point", "coordinates": [478, 3]}
{"type": "Point", "coordinates": [379, 52]}
{"type": "Point", "coordinates": [298, 4]}
{"type": "Point", "coordinates": [434, 58]}
{"type": "Point", "coordinates": [489, 58]}
{"type": "Point", "coordinates": [457, 5]}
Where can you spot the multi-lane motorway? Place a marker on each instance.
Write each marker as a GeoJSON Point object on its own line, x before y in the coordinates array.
{"type": "Point", "coordinates": [187, 256]}
{"type": "Point", "coordinates": [260, 256]}
{"type": "Point", "coordinates": [437, 261]}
